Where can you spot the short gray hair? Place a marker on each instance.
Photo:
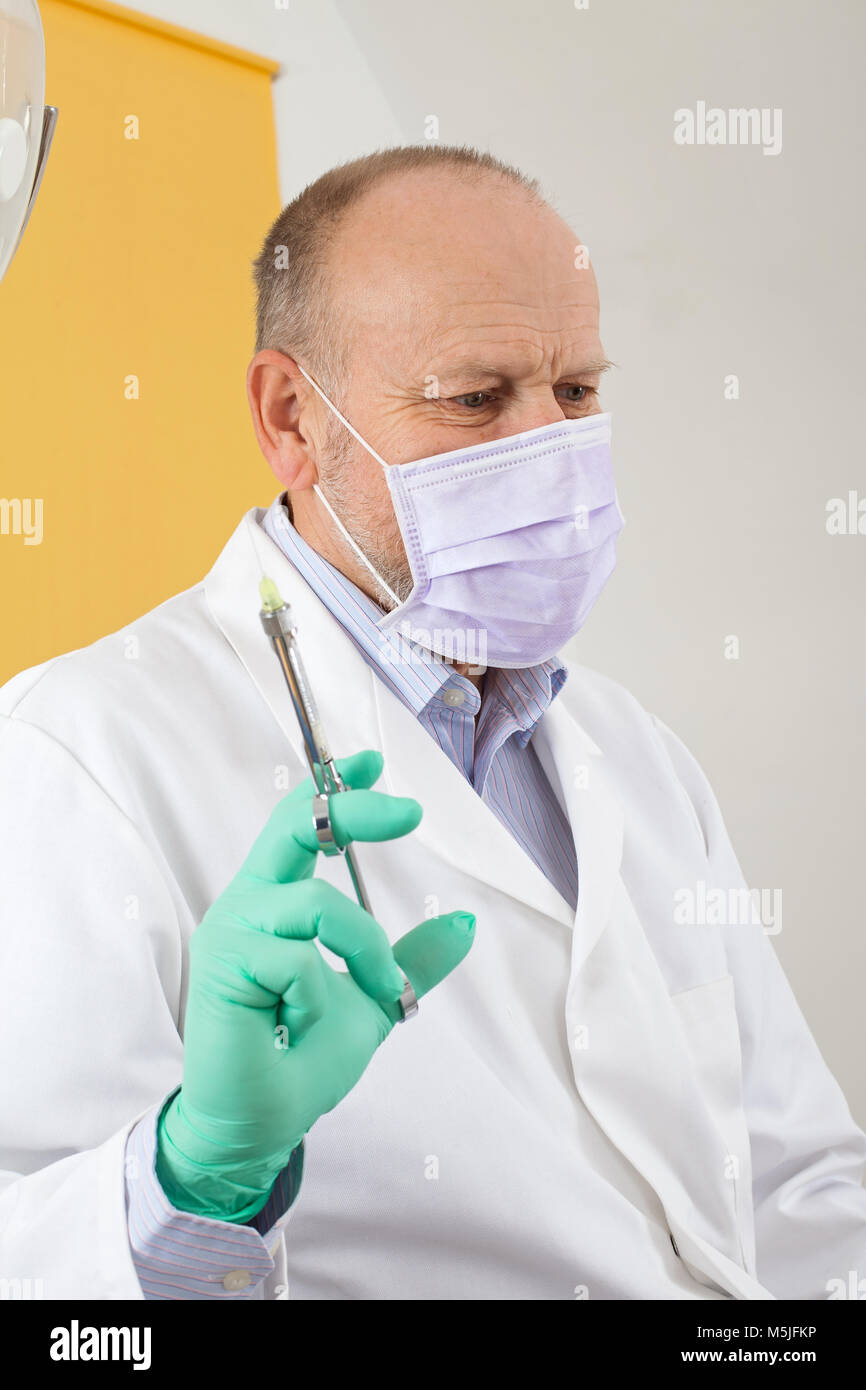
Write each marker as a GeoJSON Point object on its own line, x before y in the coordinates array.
{"type": "Point", "coordinates": [292, 310]}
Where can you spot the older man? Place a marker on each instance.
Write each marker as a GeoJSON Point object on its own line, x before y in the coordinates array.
{"type": "Point", "coordinates": [212, 1097]}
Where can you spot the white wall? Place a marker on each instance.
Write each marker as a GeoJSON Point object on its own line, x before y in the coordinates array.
{"type": "Point", "coordinates": [711, 260]}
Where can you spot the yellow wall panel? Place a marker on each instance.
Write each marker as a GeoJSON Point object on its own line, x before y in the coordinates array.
{"type": "Point", "coordinates": [135, 262]}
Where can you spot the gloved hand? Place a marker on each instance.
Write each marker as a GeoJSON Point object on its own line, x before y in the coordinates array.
{"type": "Point", "coordinates": [274, 1035]}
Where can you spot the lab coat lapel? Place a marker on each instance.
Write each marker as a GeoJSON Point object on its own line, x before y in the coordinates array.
{"type": "Point", "coordinates": [630, 1056]}
{"type": "Point", "coordinates": [457, 825]}
{"type": "Point", "coordinates": [338, 674]}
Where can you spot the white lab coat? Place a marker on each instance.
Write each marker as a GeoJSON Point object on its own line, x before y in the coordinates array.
{"type": "Point", "coordinates": [576, 1092]}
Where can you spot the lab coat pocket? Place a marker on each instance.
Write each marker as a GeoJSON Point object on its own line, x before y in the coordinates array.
{"type": "Point", "coordinates": [708, 1016]}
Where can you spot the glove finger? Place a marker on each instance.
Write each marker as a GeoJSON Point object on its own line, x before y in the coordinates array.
{"type": "Point", "coordinates": [304, 1002]}
{"type": "Point", "coordinates": [431, 951]}
{"type": "Point", "coordinates": [287, 847]}
{"type": "Point", "coordinates": [301, 911]}
{"type": "Point", "coordinates": [357, 770]}
{"type": "Point", "coordinates": [346, 929]}
{"type": "Point", "coordinates": [247, 979]}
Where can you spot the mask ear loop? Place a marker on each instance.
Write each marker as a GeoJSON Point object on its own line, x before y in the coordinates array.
{"type": "Point", "coordinates": [323, 499]}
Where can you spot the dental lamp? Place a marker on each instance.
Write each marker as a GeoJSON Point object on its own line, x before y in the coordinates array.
{"type": "Point", "coordinates": [26, 123]}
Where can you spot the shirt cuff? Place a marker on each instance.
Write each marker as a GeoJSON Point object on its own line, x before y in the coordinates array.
{"type": "Point", "coordinates": [178, 1255]}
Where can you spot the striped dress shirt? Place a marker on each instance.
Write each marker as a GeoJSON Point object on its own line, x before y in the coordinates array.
{"type": "Point", "coordinates": [181, 1256]}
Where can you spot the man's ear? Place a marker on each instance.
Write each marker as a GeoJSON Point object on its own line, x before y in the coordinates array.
{"type": "Point", "coordinates": [284, 418]}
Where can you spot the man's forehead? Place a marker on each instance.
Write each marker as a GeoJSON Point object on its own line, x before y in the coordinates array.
{"type": "Point", "coordinates": [459, 256]}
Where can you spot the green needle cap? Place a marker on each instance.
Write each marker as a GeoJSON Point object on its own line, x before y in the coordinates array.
{"type": "Point", "coordinates": [271, 600]}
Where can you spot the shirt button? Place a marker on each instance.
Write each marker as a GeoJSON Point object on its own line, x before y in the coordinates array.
{"type": "Point", "coordinates": [236, 1279]}
{"type": "Point", "coordinates": [454, 698]}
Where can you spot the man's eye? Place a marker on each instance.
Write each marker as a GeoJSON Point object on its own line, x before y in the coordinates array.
{"type": "Point", "coordinates": [474, 400]}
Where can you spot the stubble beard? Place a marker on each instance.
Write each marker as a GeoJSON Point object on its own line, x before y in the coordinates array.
{"type": "Point", "coordinates": [382, 543]}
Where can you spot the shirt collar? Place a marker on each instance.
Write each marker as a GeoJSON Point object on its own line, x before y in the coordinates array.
{"type": "Point", "coordinates": [417, 676]}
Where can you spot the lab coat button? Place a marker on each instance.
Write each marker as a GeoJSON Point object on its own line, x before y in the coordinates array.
{"type": "Point", "coordinates": [676, 1247]}
{"type": "Point", "coordinates": [236, 1279]}
{"type": "Point", "coordinates": [454, 698]}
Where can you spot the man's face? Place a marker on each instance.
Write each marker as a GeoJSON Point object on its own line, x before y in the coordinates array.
{"type": "Point", "coordinates": [467, 320]}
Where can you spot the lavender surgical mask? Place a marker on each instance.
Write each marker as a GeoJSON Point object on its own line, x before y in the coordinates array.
{"type": "Point", "coordinates": [510, 543]}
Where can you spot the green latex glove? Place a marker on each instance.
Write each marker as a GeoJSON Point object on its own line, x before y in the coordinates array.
{"type": "Point", "coordinates": [274, 1035]}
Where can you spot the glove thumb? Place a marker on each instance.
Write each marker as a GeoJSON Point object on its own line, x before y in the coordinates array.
{"type": "Point", "coordinates": [430, 951]}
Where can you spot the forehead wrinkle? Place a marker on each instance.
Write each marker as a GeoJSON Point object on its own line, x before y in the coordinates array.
{"type": "Point", "coordinates": [414, 287]}
{"type": "Point", "coordinates": [585, 316]}
{"type": "Point", "coordinates": [531, 359]}
{"type": "Point", "coordinates": [571, 318]}
{"type": "Point", "coordinates": [474, 364]}
{"type": "Point", "coordinates": [579, 280]}
{"type": "Point", "coordinates": [516, 332]}
{"type": "Point", "coordinates": [463, 339]}
{"type": "Point", "coordinates": [532, 306]}
{"type": "Point", "coordinates": [512, 315]}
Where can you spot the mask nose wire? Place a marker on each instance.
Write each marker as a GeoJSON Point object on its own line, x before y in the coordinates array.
{"type": "Point", "coordinates": [323, 499]}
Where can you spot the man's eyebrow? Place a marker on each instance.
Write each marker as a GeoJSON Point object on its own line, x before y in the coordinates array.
{"type": "Point", "coordinates": [473, 370]}
{"type": "Point", "coordinates": [595, 367]}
